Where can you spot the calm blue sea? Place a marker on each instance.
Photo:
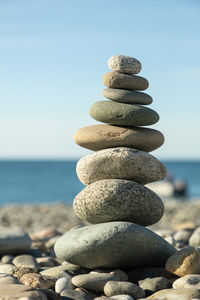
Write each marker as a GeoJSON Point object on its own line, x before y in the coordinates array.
{"type": "Point", "coordinates": [52, 181]}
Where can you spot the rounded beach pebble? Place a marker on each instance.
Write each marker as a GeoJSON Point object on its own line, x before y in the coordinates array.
{"type": "Point", "coordinates": [127, 96]}
{"type": "Point", "coordinates": [113, 245]}
{"type": "Point", "coordinates": [124, 64]}
{"type": "Point", "coordinates": [188, 281]}
{"type": "Point", "coordinates": [97, 137]}
{"type": "Point", "coordinates": [113, 288]}
{"type": "Point", "coordinates": [184, 262]}
{"type": "Point", "coordinates": [117, 80]}
{"type": "Point", "coordinates": [120, 163]}
{"type": "Point", "coordinates": [123, 114]}
{"type": "Point", "coordinates": [176, 294]}
{"type": "Point", "coordinates": [118, 200]}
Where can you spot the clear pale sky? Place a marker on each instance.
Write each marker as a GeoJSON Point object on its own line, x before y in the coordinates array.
{"type": "Point", "coordinates": [53, 55]}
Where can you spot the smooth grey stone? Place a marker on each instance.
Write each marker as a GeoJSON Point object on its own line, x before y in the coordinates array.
{"type": "Point", "coordinates": [127, 96]}
{"type": "Point", "coordinates": [102, 136]}
{"type": "Point", "coordinates": [8, 280]}
{"type": "Point", "coordinates": [152, 285]}
{"type": "Point", "coordinates": [117, 80]}
{"type": "Point", "coordinates": [69, 268]}
{"type": "Point", "coordinates": [113, 288]}
{"type": "Point", "coordinates": [63, 284]}
{"type": "Point", "coordinates": [7, 268]}
{"type": "Point", "coordinates": [123, 114]}
{"type": "Point", "coordinates": [182, 235]}
{"type": "Point", "coordinates": [25, 261]}
{"type": "Point", "coordinates": [124, 64]}
{"type": "Point", "coordinates": [121, 297]}
{"type": "Point", "coordinates": [120, 163]}
{"type": "Point", "coordinates": [118, 200]}
{"type": "Point", "coordinates": [17, 291]}
{"type": "Point", "coordinates": [14, 241]}
{"type": "Point", "coordinates": [93, 281]}
{"type": "Point", "coordinates": [113, 245]}
{"type": "Point", "coordinates": [75, 295]}
{"type": "Point", "coordinates": [7, 259]}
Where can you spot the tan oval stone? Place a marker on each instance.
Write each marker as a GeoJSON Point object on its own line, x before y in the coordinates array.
{"type": "Point", "coordinates": [120, 163]}
{"type": "Point", "coordinates": [98, 137]}
{"type": "Point", "coordinates": [117, 80]}
{"type": "Point", "coordinates": [118, 200]}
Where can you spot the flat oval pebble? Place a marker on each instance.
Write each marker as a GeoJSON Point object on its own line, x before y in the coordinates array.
{"type": "Point", "coordinates": [17, 291]}
{"type": "Point", "coordinates": [124, 64]}
{"type": "Point", "coordinates": [113, 288]}
{"type": "Point", "coordinates": [118, 200]}
{"type": "Point", "coordinates": [117, 80]}
{"type": "Point", "coordinates": [127, 96]}
{"type": "Point", "coordinates": [176, 294]}
{"type": "Point", "coordinates": [123, 114]}
{"type": "Point", "coordinates": [120, 163]}
{"type": "Point", "coordinates": [187, 281]}
{"type": "Point", "coordinates": [97, 137]}
{"type": "Point", "coordinates": [113, 245]}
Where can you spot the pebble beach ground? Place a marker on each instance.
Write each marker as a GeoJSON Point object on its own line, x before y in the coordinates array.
{"type": "Point", "coordinates": [37, 274]}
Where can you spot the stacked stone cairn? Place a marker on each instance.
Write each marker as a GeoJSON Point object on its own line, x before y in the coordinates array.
{"type": "Point", "coordinates": [115, 200]}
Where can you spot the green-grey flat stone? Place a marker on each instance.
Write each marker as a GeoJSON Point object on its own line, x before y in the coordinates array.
{"type": "Point", "coordinates": [102, 136]}
{"type": "Point", "coordinates": [117, 80]}
{"type": "Point", "coordinates": [120, 163]}
{"type": "Point", "coordinates": [127, 96]}
{"type": "Point", "coordinates": [118, 200]}
{"type": "Point", "coordinates": [123, 114]}
{"type": "Point", "coordinates": [113, 245]}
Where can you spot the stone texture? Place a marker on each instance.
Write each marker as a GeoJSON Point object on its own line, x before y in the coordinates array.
{"type": "Point", "coordinates": [69, 268]}
{"type": "Point", "coordinates": [124, 64]}
{"type": "Point", "coordinates": [13, 241]}
{"type": "Point", "coordinates": [152, 285]}
{"type": "Point", "coordinates": [7, 268]}
{"type": "Point", "coordinates": [37, 281]}
{"type": "Point", "coordinates": [176, 294]}
{"type": "Point", "coordinates": [117, 80]}
{"type": "Point", "coordinates": [94, 281]}
{"type": "Point", "coordinates": [113, 288]}
{"type": "Point", "coordinates": [8, 280]}
{"type": "Point", "coordinates": [122, 297]}
{"type": "Point", "coordinates": [98, 137]}
{"type": "Point", "coordinates": [127, 96]}
{"type": "Point", "coordinates": [123, 114]}
{"type": "Point", "coordinates": [63, 284]}
{"type": "Point", "coordinates": [113, 245]}
{"type": "Point", "coordinates": [188, 281]}
{"type": "Point", "coordinates": [75, 295]}
{"type": "Point", "coordinates": [118, 200]}
{"type": "Point", "coordinates": [120, 163]}
{"type": "Point", "coordinates": [16, 291]}
{"type": "Point", "coordinates": [184, 262]}
{"type": "Point", "coordinates": [25, 261]}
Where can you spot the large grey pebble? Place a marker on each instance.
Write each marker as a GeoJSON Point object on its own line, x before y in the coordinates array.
{"type": "Point", "coordinates": [123, 114]}
{"type": "Point", "coordinates": [124, 64]}
{"type": "Point", "coordinates": [63, 284]}
{"type": "Point", "coordinates": [8, 280]}
{"type": "Point", "coordinates": [93, 281]}
{"type": "Point", "coordinates": [113, 288]}
{"type": "Point", "coordinates": [113, 245]}
{"type": "Point", "coordinates": [118, 200]}
{"type": "Point", "coordinates": [187, 281]}
{"type": "Point", "coordinates": [14, 241]}
{"type": "Point", "coordinates": [26, 261]}
{"type": "Point", "coordinates": [120, 163]}
{"type": "Point", "coordinates": [127, 96]}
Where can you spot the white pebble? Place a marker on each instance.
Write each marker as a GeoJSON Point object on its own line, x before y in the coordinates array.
{"type": "Point", "coordinates": [122, 297]}
{"type": "Point", "coordinates": [63, 284]}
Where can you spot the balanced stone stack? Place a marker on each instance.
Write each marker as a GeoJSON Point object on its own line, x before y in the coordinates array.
{"type": "Point", "coordinates": [115, 199]}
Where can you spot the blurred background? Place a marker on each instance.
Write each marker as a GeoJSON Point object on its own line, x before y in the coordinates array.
{"type": "Point", "coordinates": [53, 55]}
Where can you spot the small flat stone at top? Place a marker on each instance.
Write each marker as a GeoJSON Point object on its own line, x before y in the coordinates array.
{"type": "Point", "coordinates": [124, 64]}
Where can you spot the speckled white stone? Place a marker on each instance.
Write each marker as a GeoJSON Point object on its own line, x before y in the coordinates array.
{"type": "Point", "coordinates": [120, 163]}
{"type": "Point", "coordinates": [124, 64]}
{"type": "Point", "coordinates": [188, 281]}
